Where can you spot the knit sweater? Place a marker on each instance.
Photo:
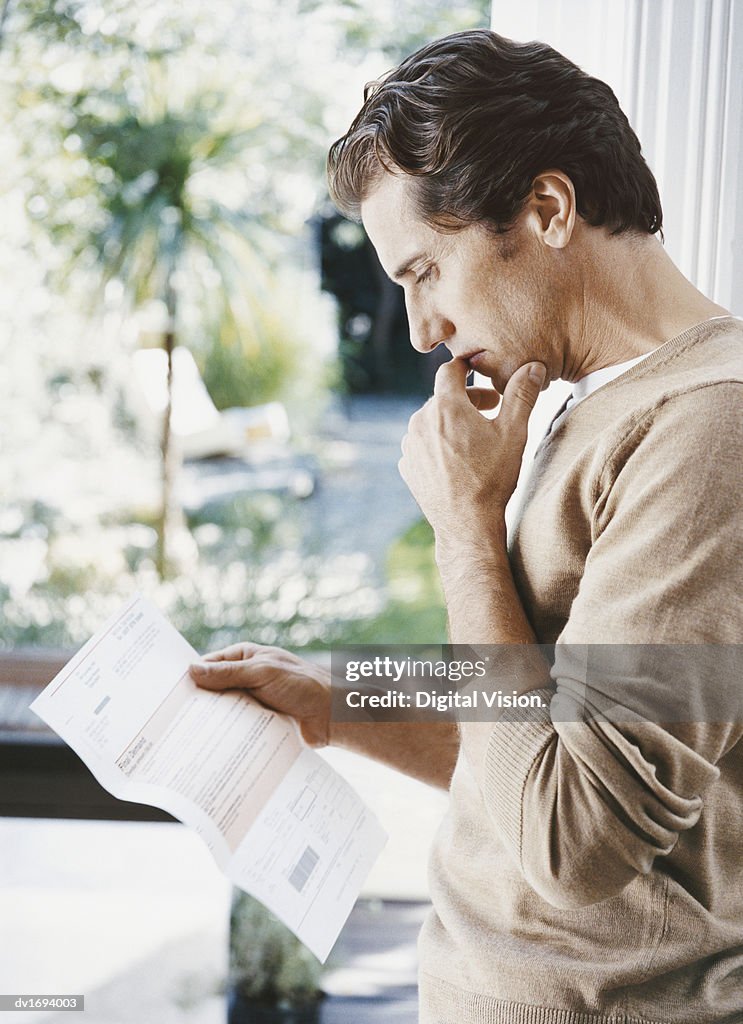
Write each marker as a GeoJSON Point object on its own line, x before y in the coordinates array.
{"type": "Point", "coordinates": [590, 871]}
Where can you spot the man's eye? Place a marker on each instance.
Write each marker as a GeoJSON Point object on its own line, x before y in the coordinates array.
{"type": "Point", "coordinates": [424, 276]}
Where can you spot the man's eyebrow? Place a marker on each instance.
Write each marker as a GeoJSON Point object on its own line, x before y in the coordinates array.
{"type": "Point", "coordinates": [404, 268]}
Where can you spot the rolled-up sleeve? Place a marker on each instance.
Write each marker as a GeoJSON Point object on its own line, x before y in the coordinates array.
{"type": "Point", "coordinates": [582, 806]}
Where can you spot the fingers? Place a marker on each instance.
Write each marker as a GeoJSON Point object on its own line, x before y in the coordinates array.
{"type": "Point", "coordinates": [238, 665]}
{"type": "Point", "coordinates": [484, 399]}
{"type": "Point", "coordinates": [224, 675]}
{"type": "Point", "coordinates": [235, 652]}
{"type": "Point", "coordinates": [451, 378]}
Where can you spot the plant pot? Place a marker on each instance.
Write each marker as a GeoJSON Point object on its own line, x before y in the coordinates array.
{"type": "Point", "coordinates": [248, 1011]}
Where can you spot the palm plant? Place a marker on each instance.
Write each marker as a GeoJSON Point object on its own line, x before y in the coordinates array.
{"type": "Point", "coordinates": [146, 141]}
{"type": "Point", "coordinates": [161, 218]}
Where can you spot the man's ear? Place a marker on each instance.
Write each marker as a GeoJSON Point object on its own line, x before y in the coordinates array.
{"type": "Point", "coordinates": [553, 201]}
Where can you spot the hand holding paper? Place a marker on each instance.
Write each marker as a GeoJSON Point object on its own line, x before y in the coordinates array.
{"type": "Point", "coordinates": [279, 821]}
{"type": "Point", "coordinates": [278, 679]}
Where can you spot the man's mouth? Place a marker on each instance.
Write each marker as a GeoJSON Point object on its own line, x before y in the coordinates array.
{"type": "Point", "coordinates": [474, 358]}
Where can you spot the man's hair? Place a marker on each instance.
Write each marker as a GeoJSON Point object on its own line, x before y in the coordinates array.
{"type": "Point", "coordinates": [475, 118]}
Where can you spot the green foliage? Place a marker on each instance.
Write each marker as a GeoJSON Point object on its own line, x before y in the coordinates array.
{"type": "Point", "coordinates": [249, 576]}
{"type": "Point", "coordinates": [268, 963]}
{"type": "Point", "coordinates": [146, 158]}
{"type": "Point", "coordinates": [250, 366]}
{"type": "Point", "coordinates": [397, 29]}
{"type": "Point", "coordinates": [152, 214]}
{"type": "Point", "coordinates": [152, 163]}
{"type": "Point", "coordinates": [414, 612]}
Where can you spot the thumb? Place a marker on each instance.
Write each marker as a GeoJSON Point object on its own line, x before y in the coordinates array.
{"type": "Point", "coordinates": [521, 393]}
{"type": "Point", "coordinates": [519, 397]}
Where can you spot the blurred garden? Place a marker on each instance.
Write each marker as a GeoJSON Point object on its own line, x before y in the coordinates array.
{"type": "Point", "coordinates": [162, 190]}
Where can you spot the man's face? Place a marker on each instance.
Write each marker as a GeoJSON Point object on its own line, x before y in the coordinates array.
{"type": "Point", "coordinates": [485, 296]}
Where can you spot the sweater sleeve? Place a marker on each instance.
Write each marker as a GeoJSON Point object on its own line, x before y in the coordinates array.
{"type": "Point", "coordinates": [590, 790]}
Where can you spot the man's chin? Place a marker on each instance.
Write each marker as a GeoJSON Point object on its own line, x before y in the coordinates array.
{"type": "Point", "coordinates": [484, 366]}
{"type": "Point", "coordinates": [500, 378]}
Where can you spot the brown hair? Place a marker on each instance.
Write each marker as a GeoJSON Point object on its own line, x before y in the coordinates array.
{"type": "Point", "coordinates": [475, 118]}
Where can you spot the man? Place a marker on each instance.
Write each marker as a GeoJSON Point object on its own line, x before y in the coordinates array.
{"type": "Point", "coordinates": [589, 868]}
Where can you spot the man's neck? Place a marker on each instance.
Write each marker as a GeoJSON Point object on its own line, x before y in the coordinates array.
{"type": "Point", "coordinates": [634, 299]}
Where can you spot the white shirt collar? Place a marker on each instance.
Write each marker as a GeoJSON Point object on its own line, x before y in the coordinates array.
{"type": "Point", "coordinates": [593, 381]}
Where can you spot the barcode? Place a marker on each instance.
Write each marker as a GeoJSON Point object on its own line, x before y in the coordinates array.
{"type": "Point", "coordinates": [303, 869]}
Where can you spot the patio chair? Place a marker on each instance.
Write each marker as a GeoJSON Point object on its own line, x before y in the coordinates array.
{"type": "Point", "coordinates": [199, 428]}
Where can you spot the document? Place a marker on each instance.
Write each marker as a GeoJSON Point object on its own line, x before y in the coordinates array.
{"type": "Point", "coordinates": [279, 821]}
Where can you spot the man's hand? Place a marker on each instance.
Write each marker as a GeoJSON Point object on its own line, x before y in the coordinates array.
{"type": "Point", "coordinates": [286, 683]}
{"type": "Point", "coordinates": [276, 678]}
{"type": "Point", "coordinates": [461, 467]}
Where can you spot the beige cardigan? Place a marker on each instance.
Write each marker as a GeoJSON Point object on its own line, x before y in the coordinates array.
{"type": "Point", "coordinates": [592, 871]}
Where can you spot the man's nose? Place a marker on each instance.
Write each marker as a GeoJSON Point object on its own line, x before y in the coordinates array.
{"type": "Point", "coordinates": [427, 331]}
